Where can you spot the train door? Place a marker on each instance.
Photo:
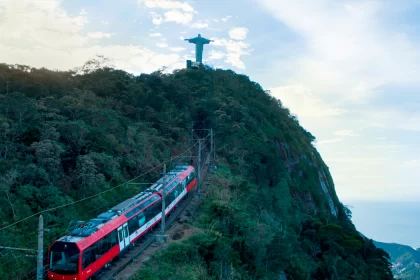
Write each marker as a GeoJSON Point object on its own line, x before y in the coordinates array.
{"type": "Point", "coordinates": [123, 236]}
{"type": "Point", "coordinates": [126, 234]}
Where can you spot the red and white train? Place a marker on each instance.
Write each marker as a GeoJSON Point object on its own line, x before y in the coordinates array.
{"type": "Point", "coordinates": [83, 253]}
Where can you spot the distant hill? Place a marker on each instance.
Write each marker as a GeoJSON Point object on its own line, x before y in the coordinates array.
{"type": "Point", "coordinates": [405, 260]}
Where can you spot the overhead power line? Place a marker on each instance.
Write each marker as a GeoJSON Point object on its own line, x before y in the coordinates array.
{"type": "Point", "coordinates": [19, 249]}
{"type": "Point", "coordinates": [98, 194]}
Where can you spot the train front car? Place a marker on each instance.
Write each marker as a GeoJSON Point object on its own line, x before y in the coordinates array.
{"type": "Point", "coordinates": [64, 261]}
{"type": "Point", "coordinates": [90, 247]}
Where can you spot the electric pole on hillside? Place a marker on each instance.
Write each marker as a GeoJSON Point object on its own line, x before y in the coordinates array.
{"type": "Point", "coordinates": [39, 253]}
{"type": "Point", "coordinates": [199, 168]}
{"type": "Point", "coordinates": [212, 157]}
{"type": "Point", "coordinates": [40, 257]}
{"type": "Point", "coordinates": [162, 237]}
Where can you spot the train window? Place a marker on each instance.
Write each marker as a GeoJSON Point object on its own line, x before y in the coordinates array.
{"type": "Point", "coordinates": [157, 208]}
{"type": "Point", "coordinates": [95, 251]}
{"type": "Point", "coordinates": [101, 248]}
{"type": "Point", "coordinates": [141, 219]}
{"type": "Point", "coordinates": [180, 188]}
{"type": "Point", "coordinates": [133, 224]}
{"type": "Point", "coordinates": [64, 258]}
{"type": "Point", "coordinates": [169, 187]}
{"type": "Point", "coordinates": [170, 198]}
{"type": "Point", "coordinates": [192, 175]}
{"type": "Point", "coordinates": [88, 257]}
{"type": "Point", "coordinates": [140, 207]}
{"type": "Point", "coordinates": [148, 214]}
{"type": "Point", "coordinates": [137, 222]}
{"type": "Point", "coordinates": [113, 238]}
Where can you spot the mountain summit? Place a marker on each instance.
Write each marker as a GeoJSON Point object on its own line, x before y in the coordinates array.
{"type": "Point", "coordinates": [272, 211]}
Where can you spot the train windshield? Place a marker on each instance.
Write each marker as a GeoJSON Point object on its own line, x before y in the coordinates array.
{"type": "Point", "coordinates": [64, 258]}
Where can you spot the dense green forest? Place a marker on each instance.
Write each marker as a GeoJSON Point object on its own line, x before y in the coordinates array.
{"type": "Point", "coordinates": [273, 210]}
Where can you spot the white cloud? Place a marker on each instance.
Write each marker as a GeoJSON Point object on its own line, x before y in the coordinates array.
{"type": "Point", "coordinates": [349, 50]}
{"type": "Point", "coordinates": [300, 100]}
{"type": "Point", "coordinates": [166, 4]}
{"type": "Point", "coordinates": [393, 118]}
{"type": "Point", "coordinates": [238, 33]}
{"type": "Point", "coordinates": [177, 49]}
{"type": "Point", "coordinates": [178, 17]}
{"type": "Point", "coordinates": [200, 25]}
{"type": "Point", "coordinates": [36, 28]}
{"type": "Point", "coordinates": [156, 18]}
{"type": "Point", "coordinates": [105, 22]}
{"type": "Point", "coordinates": [411, 163]}
{"type": "Point", "coordinates": [377, 124]}
{"type": "Point", "coordinates": [50, 37]}
{"type": "Point", "coordinates": [100, 35]}
{"type": "Point", "coordinates": [177, 11]}
{"type": "Point", "coordinates": [155, 35]}
{"type": "Point", "coordinates": [216, 55]}
{"type": "Point", "coordinates": [234, 51]}
{"type": "Point", "coordinates": [350, 55]}
{"type": "Point", "coordinates": [329, 141]}
{"type": "Point", "coordinates": [226, 18]}
{"type": "Point", "coordinates": [346, 132]}
{"type": "Point", "coordinates": [162, 45]}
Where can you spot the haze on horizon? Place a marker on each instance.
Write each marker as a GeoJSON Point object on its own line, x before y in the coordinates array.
{"type": "Point", "coordinates": [348, 69]}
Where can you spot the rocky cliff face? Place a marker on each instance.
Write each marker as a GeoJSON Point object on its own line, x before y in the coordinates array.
{"type": "Point", "coordinates": [291, 162]}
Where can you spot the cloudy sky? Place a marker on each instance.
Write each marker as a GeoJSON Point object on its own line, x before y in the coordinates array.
{"type": "Point", "coordinates": [348, 69]}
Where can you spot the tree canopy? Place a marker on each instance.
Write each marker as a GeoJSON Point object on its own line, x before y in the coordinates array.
{"type": "Point", "coordinates": [65, 136]}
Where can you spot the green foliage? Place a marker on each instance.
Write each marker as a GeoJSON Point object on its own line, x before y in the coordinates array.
{"type": "Point", "coordinates": [405, 260]}
{"type": "Point", "coordinates": [249, 237]}
{"type": "Point", "coordinates": [65, 136]}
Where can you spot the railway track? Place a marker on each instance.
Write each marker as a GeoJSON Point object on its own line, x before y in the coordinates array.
{"type": "Point", "coordinates": [133, 252]}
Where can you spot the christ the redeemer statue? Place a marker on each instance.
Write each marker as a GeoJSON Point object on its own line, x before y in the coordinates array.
{"type": "Point", "coordinates": [199, 43]}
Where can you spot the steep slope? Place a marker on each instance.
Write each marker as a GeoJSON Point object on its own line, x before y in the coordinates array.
{"type": "Point", "coordinates": [405, 260]}
{"type": "Point", "coordinates": [272, 211]}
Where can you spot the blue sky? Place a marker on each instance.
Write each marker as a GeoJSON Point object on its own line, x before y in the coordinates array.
{"type": "Point", "coordinates": [348, 69]}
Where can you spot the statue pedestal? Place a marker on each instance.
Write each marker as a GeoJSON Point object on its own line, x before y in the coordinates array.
{"type": "Point", "coordinates": [193, 65]}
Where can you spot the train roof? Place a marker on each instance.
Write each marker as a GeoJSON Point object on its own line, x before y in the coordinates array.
{"type": "Point", "coordinates": [95, 224]}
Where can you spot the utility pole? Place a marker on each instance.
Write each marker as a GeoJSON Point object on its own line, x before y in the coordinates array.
{"type": "Point", "coordinates": [199, 168]}
{"type": "Point", "coordinates": [162, 236]}
{"type": "Point", "coordinates": [211, 151]}
{"type": "Point", "coordinates": [40, 259]}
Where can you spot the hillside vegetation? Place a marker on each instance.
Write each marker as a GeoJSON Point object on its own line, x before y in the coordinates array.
{"type": "Point", "coordinates": [273, 210]}
{"type": "Point", "coordinates": [405, 260]}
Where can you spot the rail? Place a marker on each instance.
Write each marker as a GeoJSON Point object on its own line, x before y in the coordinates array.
{"type": "Point", "coordinates": [131, 254]}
